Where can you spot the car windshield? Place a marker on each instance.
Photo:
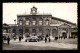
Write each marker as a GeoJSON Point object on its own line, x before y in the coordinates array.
{"type": "Point", "coordinates": [34, 36]}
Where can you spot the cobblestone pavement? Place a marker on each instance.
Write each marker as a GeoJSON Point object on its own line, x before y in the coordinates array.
{"type": "Point", "coordinates": [16, 45]}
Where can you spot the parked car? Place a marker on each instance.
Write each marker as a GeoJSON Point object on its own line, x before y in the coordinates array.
{"type": "Point", "coordinates": [32, 39]}
{"type": "Point", "coordinates": [40, 37]}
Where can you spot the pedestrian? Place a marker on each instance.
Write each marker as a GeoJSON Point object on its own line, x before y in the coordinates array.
{"type": "Point", "coordinates": [19, 38]}
{"type": "Point", "coordinates": [8, 40]}
{"type": "Point", "coordinates": [49, 39]}
{"type": "Point", "coordinates": [14, 38]}
{"type": "Point", "coordinates": [45, 39]}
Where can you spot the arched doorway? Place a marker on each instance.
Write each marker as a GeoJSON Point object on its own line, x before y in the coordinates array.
{"type": "Point", "coordinates": [34, 32]}
{"type": "Point", "coordinates": [47, 31]}
{"type": "Point", "coordinates": [20, 31]}
{"type": "Point", "coordinates": [27, 32]}
{"type": "Point", "coordinates": [64, 34]}
{"type": "Point", "coordinates": [54, 32]}
{"type": "Point", "coordinates": [40, 31]}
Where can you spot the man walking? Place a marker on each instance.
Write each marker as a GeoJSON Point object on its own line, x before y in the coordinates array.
{"type": "Point", "coordinates": [8, 40]}
{"type": "Point", "coordinates": [45, 39]}
{"type": "Point", "coordinates": [20, 38]}
{"type": "Point", "coordinates": [49, 39]}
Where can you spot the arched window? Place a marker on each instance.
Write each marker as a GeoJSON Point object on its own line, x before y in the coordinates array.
{"type": "Point", "coordinates": [47, 22]}
{"type": "Point", "coordinates": [47, 31]}
{"type": "Point", "coordinates": [40, 30]}
{"type": "Point", "coordinates": [14, 30]}
{"type": "Point", "coordinates": [27, 31]}
{"type": "Point", "coordinates": [33, 31]}
{"type": "Point", "coordinates": [40, 22]}
{"type": "Point", "coordinates": [27, 22]}
{"type": "Point", "coordinates": [54, 32]}
{"type": "Point", "coordinates": [20, 22]}
{"type": "Point", "coordinates": [21, 31]}
{"type": "Point", "coordinates": [34, 22]}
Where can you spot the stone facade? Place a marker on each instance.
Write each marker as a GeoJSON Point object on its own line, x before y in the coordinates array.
{"type": "Point", "coordinates": [42, 24]}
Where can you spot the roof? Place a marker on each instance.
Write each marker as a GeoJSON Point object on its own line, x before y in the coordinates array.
{"type": "Point", "coordinates": [33, 14]}
{"type": "Point", "coordinates": [55, 24]}
{"type": "Point", "coordinates": [12, 24]}
{"type": "Point", "coordinates": [63, 20]}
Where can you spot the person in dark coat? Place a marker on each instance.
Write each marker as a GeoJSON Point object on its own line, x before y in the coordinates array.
{"type": "Point", "coordinates": [45, 39]}
{"type": "Point", "coordinates": [19, 38]}
{"type": "Point", "coordinates": [49, 39]}
{"type": "Point", "coordinates": [8, 40]}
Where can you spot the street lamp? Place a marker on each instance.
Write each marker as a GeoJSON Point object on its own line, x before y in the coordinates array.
{"type": "Point", "coordinates": [15, 27]}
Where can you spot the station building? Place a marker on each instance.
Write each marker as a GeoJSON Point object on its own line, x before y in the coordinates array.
{"type": "Point", "coordinates": [42, 24]}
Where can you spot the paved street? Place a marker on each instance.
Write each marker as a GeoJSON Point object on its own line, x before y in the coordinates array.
{"type": "Point", "coordinates": [16, 45]}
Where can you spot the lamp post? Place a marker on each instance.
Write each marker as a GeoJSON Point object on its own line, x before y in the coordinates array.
{"type": "Point", "coordinates": [15, 27]}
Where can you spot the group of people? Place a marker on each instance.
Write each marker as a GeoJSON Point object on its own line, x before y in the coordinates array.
{"type": "Point", "coordinates": [8, 39]}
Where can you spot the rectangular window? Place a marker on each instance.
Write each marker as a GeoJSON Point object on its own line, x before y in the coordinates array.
{"type": "Point", "coordinates": [34, 22]}
{"type": "Point", "coordinates": [27, 22]}
{"type": "Point", "coordinates": [40, 22]}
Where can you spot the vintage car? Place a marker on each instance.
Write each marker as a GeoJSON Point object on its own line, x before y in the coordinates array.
{"type": "Point", "coordinates": [32, 39]}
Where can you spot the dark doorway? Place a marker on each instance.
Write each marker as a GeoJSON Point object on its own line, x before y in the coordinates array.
{"type": "Point", "coordinates": [14, 30]}
{"type": "Point", "coordinates": [64, 34]}
{"type": "Point", "coordinates": [54, 32]}
{"type": "Point", "coordinates": [73, 34]}
{"type": "Point", "coordinates": [21, 31]}
{"type": "Point", "coordinates": [27, 32]}
{"type": "Point", "coordinates": [34, 32]}
{"type": "Point", "coordinates": [47, 31]}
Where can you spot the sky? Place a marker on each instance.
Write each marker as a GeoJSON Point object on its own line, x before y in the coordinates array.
{"type": "Point", "coordinates": [66, 11]}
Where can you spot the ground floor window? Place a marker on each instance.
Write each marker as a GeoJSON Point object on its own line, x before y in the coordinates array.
{"type": "Point", "coordinates": [73, 34]}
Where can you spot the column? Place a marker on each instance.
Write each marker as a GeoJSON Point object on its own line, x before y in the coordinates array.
{"type": "Point", "coordinates": [23, 31]}
{"type": "Point", "coordinates": [50, 32]}
{"type": "Point", "coordinates": [60, 32]}
{"type": "Point", "coordinates": [37, 31]}
{"type": "Point", "coordinates": [37, 20]}
{"type": "Point", "coordinates": [30, 20]}
{"type": "Point", "coordinates": [68, 33]}
{"type": "Point", "coordinates": [30, 31]}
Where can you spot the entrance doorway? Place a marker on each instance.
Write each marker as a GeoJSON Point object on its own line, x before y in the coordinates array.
{"type": "Point", "coordinates": [73, 34]}
{"type": "Point", "coordinates": [27, 33]}
{"type": "Point", "coordinates": [64, 34]}
{"type": "Point", "coordinates": [21, 32]}
{"type": "Point", "coordinates": [47, 31]}
{"type": "Point", "coordinates": [33, 32]}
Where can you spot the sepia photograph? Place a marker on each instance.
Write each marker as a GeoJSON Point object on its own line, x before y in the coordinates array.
{"type": "Point", "coordinates": [39, 26]}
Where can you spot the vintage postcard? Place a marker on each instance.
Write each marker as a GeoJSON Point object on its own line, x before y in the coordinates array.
{"type": "Point", "coordinates": [40, 26]}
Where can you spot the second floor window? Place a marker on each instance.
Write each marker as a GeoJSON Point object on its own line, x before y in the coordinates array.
{"type": "Point", "coordinates": [34, 22]}
{"type": "Point", "coordinates": [27, 22]}
{"type": "Point", "coordinates": [47, 22]}
{"type": "Point", "coordinates": [40, 22]}
{"type": "Point", "coordinates": [20, 22]}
